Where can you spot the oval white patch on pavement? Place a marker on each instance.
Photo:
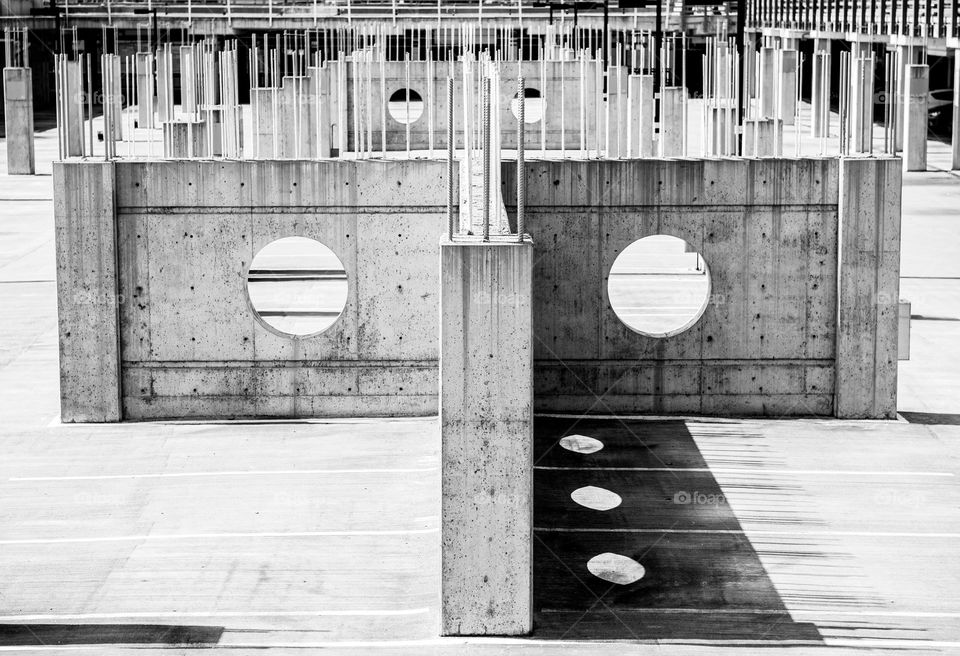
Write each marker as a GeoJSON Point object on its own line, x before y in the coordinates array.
{"type": "Point", "coordinates": [616, 568]}
{"type": "Point", "coordinates": [581, 444]}
{"type": "Point", "coordinates": [596, 498]}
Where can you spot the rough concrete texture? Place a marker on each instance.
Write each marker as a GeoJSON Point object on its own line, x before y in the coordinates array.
{"type": "Point", "coordinates": [762, 137]}
{"type": "Point", "coordinates": [767, 229]}
{"type": "Point", "coordinates": [87, 290]}
{"type": "Point", "coordinates": [671, 121]}
{"type": "Point", "coordinates": [73, 109]}
{"type": "Point", "coordinates": [192, 345]}
{"type": "Point", "coordinates": [18, 120]}
{"type": "Point", "coordinates": [868, 288]}
{"type": "Point", "coordinates": [486, 415]}
{"type": "Point", "coordinates": [915, 100]}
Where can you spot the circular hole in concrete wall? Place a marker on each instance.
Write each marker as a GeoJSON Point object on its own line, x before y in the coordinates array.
{"type": "Point", "coordinates": [532, 105]}
{"type": "Point", "coordinates": [297, 286]}
{"type": "Point", "coordinates": [405, 106]}
{"type": "Point", "coordinates": [659, 286]}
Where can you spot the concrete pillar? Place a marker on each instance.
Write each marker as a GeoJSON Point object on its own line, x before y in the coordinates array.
{"type": "Point", "coordinates": [915, 115]}
{"type": "Point", "coordinates": [616, 106]}
{"type": "Point", "coordinates": [671, 122]}
{"type": "Point", "coordinates": [486, 418]}
{"type": "Point", "coordinates": [721, 130]}
{"type": "Point", "coordinates": [87, 291]}
{"type": "Point", "coordinates": [184, 138]}
{"type": "Point", "coordinates": [165, 110]}
{"type": "Point", "coordinates": [768, 82]}
{"type": "Point", "coordinates": [788, 86]}
{"type": "Point", "coordinates": [145, 89]}
{"type": "Point", "coordinates": [188, 81]}
{"type": "Point", "coordinates": [906, 56]}
{"type": "Point", "coordinates": [115, 96]}
{"type": "Point", "coordinates": [641, 103]}
{"type": "Point", "coordinates": [868, 289]}
{"type": "Point", "coordinates": [955, 165]}
{"type": "Point", "coordinates": [73, 110]}
{"type": "Point", "coordinates": [820, 89]}
{"type": "Point", "coordinates": [861, 105]}
{"type": "Point", "coordinates": [18, 120]}
{"type": "Point", "coordinates": [762, 138]}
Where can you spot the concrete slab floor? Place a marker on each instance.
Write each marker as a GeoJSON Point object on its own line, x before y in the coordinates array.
{"type": "Point", "coordinates": [800, 537]}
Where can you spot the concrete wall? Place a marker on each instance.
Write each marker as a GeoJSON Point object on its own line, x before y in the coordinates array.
{"type": "Point", "coordinates": [190, 343]}
{"type": "Point", "coordinates": [767, 229]}
{"type": "Point", "coordinates": [795, 325]}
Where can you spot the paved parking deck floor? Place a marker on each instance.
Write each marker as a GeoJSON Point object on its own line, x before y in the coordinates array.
{"type": "Point", "coordinates": [800, 536]}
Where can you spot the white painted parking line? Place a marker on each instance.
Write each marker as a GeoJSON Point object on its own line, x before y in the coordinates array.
{"type": "Point", "coordinates": [261, 472]}
{"type": "Point", "coordinates": [218, 536]}
{"type": "Point", "coordinates": [751, 533]}
{"type": "Point", "coordinates": [754, 471]}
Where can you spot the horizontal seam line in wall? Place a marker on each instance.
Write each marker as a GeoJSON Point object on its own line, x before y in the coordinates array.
{"type": "Point", "coordinates": [733, 207]}
{"type": "Point", "coordinates": [246, 210]}
{"type": "Point", "coordinates": [820, 362]}
{"type": "Point", "coordinates": [280, 364]}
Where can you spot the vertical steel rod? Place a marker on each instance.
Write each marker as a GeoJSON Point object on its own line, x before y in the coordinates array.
{"type": "Point", "coordinates": [521, 176]}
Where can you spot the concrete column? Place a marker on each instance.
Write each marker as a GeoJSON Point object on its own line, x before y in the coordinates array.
{"type": "Point", "coordinates": [862, 105]}
{"type": "Point", "coordinates": [721, 130]}
{"type": "Point", "coordinates": [616, 103]}
{"type": "Point", "coordinates": [788, 86]}
{"type": "Point", "coordinates": [820, 89]}
{"type": "Point", "coordinates": [643, 105]}
{"type": "Point", "coordinates": [486, 418]}
{"type": "Point", "coordinates": [73, 115]}
{"type": "Point", "coordinates": [915, 114]}
{"type": "Point", "coordinates": [868, 288]}
{"type": "Point", "coordinates": [184, 138]}
{"type": "Point", "coordinates": [164, 87]}
{"type": "Point", "coordinates": [115, 96]}
{"type": "Point", "coordinates": [145, 90]}
{"type": "Point", "coordinates": [906, 56]}
{"type": "Point", "coordinates": [768, 82]}
{"type": "Point", "coordinates": [87, 291]}
{"type": "Point", "coordinates": [762, 138]}
{"type": "Point", "coordinates": [18, 120]}
{"type": "Point", "coordinates": [671, 122]}
{"type": "Point", "coordinates": [955, 165]}
{"type": "Point", "coordinates": [188, 81]}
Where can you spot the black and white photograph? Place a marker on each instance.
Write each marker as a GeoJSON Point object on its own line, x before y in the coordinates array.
{"type": "Point", "coordinates": [480, 327]}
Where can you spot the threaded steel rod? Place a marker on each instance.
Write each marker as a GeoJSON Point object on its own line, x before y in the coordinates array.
{"type": "Point", "coordinates": [450, 133]}
{"type": "Point", "coordinates": [521, 177]}
{"type": "Point", "coordinates": [486, 159]}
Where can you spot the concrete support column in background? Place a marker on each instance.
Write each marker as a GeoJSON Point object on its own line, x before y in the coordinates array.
{"type": "Point", "coordinates": [721, 130]}
{"type": "Point", "coordinates": [73, 107]}
{"type": "Point", "coordinates": [768, 82]}
{"type": "Point", "coordinates": [862, 104]}
{"type": "Point", "coordinates": [671, 122]}
{"type": "Point", "coordinates": [486, 419]}
{"type": "Point", "coordinates": [788, 86]}
{"type": "Point", "coordinates": [641, 104]}
{"type": "Point", "coordinates": [145, 90]}
{"type": "Point", "coordinates": [868, 272]}
{"type": "Point", "coordinates": [762, 138]}
{"type": "Point", "coordinates": [820, 89]}
{"type": "Point", "coordinates": [917, 87]}
{"type": "Point", "coordinates": [18, 120]}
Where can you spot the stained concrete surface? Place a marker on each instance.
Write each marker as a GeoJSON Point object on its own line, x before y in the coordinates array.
{"type": "Point", "coordinates": [253, 535]}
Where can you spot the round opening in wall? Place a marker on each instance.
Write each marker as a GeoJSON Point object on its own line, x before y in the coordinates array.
{"type": "Point", "coordinates": [297, 286]}
{"type": "Point", "coordinates": [405, 106]}
{"type": "Point", "coordinates": [532, 105]}
{"type": "Point", "coordinates": [659, 286]}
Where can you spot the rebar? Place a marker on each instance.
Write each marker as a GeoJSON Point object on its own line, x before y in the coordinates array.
{"type": "Point", "coordinates": [521, 176]}
{"type": "Point", "coordinates": [486, 158]}
{"type": "Point", "coordinates": [450, 135]}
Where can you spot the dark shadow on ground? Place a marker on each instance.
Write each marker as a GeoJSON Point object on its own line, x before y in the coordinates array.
{"type": "Point", "coordinates": [23, 635]}
{"type": "Point", "coordinates": [703, 579]}
{"type": "Point", "coordinates": [932, 418]}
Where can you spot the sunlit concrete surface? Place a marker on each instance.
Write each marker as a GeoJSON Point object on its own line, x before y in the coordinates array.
{"type": "Point", "coordinates": [800, 536]}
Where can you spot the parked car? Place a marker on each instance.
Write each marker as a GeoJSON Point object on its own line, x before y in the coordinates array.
{"type": "Point", "coordinates": [940, 109]}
